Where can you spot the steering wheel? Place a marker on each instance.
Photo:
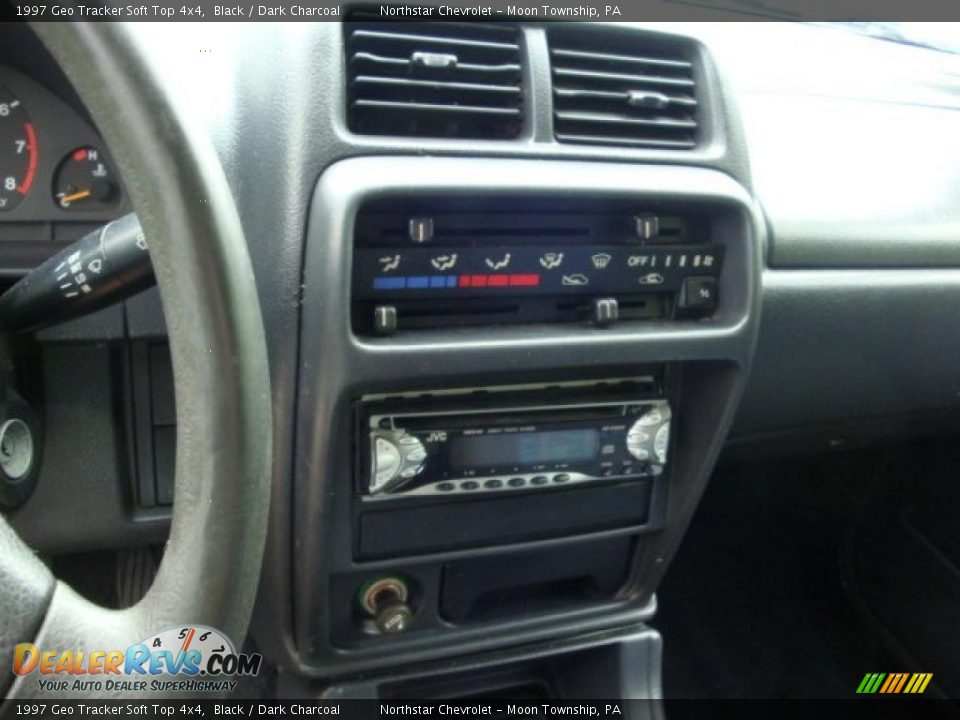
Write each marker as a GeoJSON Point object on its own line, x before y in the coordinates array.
{"type": "Point", "coordinates": [211, 565]}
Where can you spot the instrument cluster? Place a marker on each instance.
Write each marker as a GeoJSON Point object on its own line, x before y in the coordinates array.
{"type": "Point", "coordinates": [57, 179]}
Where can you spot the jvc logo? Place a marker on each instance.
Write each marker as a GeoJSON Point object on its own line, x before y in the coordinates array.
{"type": "Point", "coordinates": [437, 436]}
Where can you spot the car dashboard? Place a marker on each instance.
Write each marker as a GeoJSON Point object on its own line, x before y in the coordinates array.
{"type": "Point", "coordinates": [523, 284]}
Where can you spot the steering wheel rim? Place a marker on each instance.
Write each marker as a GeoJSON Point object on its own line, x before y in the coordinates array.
{"type": "Point", "coordinates": [211, 565]}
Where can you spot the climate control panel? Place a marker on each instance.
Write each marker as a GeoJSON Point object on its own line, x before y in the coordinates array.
{"type": "Point", "coordinates": [597, 263]}
{"type": "Point", "coordinates": [455, 273]}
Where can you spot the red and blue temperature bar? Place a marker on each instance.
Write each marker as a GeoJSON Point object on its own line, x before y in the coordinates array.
{"type": "Point", "coordinates": [424, 282]}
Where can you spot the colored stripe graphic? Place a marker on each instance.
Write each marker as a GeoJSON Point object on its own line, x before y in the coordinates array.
{"type": "Point", "coordinates": [903, 680]}
{"type": "Point", "coordinates": [918, 683]}
{"type": "Point", "coordinates": [870, 683]}
{"type": "Point", "coordinates": [894, 683]}
{"type": "Point", "coordinates": [436, 282]}
{"type": "Point", "coordinates": [891, 680]}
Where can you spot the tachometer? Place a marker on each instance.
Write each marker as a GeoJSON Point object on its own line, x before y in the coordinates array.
{"type": "Point", "coordinates": [18, 151]}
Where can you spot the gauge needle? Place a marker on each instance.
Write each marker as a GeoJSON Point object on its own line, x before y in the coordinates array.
{"type": "Point", "coordinates": [67, 199]}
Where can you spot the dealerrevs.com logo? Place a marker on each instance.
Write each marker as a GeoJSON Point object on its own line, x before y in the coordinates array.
{"type": "Point", "coordinates": [184, 659]}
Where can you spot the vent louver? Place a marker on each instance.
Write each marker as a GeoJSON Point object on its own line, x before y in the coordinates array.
{"type": "Point", "coordinates": [632, 93]}
{"type": "Point", "coordinates": [441, 80]}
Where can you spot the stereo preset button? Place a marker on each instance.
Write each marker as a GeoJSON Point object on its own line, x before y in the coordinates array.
{"type": "Point", "coordinates": [639, 453]}
{"type": "Point", "coordinates": [516, 482]}
{"type": "Point", "coordinates": [493, 484]}
{"type": "Point", "coordinates": [445, 486]}
{"type": "Point", "coordinates": [416, 455]}
{"type": "Point", "coordinates": [469, 485]}
{"type": "Point", "coordinates": [540, 480]}
{"type": "Point", "coordinates": [561, 478]}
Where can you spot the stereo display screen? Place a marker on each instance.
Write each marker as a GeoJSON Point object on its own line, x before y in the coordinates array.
{"type": "Point", "coordinates": [529, 448]}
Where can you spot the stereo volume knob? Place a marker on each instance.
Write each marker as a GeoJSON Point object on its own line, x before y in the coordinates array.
{"type": "Point", "coordinates": [649, 437]}
{"type": "Point", "coordinates": [387, 461]}
{"type": "Point", "coordinates": [397, 456]}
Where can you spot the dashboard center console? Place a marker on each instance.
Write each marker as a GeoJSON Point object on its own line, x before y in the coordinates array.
{"type": "Point", "coordinates": [515, 379]}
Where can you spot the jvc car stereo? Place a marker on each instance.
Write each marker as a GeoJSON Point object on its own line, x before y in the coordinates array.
{"type": "Point", "coordinates": [511, 448]}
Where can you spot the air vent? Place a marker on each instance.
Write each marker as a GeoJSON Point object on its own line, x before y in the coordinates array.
{"type": "Point", "coordinates": [611, 90]}
{"type": "Point", "coordinates": [439, 80]}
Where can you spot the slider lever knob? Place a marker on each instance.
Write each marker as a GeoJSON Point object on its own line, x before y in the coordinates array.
{"type": "Point", "coordinates": [606, 311]}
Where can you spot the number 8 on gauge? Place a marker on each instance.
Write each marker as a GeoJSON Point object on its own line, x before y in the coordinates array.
{"type": "Point", "coordinates": [18, 151]}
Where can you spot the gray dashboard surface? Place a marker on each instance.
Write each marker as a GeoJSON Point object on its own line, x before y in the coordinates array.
{"type": "Point", "coordinates": [854, 164]}
{"type": "Point", "coordinates": [853, 346]}
{"type": "Point", "coordinates": [852, 143]}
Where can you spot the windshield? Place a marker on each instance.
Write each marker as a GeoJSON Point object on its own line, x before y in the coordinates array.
{"type": "Point", "coordinates": [938, 36]}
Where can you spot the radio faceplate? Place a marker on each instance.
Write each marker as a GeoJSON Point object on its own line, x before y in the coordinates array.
{"type": "Point", "coordinates": [513, 448]}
